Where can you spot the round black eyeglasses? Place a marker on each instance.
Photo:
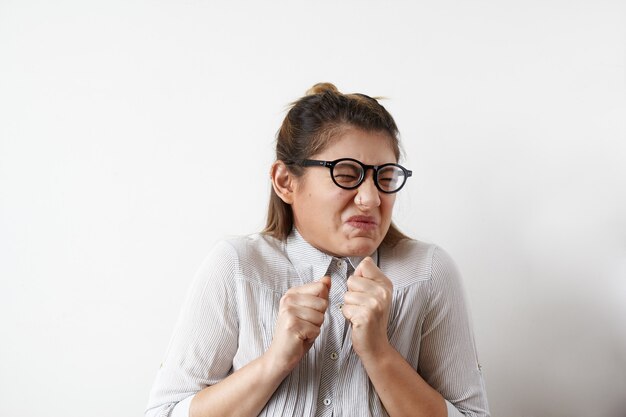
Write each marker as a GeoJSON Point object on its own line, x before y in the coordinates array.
{"type": "Point", "coordinates": [349, 173]}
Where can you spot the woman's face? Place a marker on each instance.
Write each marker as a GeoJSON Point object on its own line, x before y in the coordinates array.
{"type": "Point", "coordinates": [345, 222]}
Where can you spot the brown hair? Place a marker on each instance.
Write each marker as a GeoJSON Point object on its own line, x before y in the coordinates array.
{"type": "Point", "coordinates": [310, 125]}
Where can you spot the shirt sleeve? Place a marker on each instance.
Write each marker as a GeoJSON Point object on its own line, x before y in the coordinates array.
{"type": "Point", "coordinates": [448, 359]}
{"type": "Point", "coordinates": [204, 342]}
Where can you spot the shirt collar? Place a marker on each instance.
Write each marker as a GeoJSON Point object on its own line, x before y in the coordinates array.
{"type": "Point", "coordinates": [310, 262]}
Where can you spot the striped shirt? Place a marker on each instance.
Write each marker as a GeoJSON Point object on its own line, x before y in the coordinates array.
{"type": "Point", "coordinates": [231, 309]}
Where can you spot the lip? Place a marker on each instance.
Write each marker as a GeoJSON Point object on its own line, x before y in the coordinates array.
{"type": "Point", "coordinates": [362, 222]}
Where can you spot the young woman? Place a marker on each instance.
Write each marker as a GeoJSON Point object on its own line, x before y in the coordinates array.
{"type": "Point", "coordinates": [331, 310]}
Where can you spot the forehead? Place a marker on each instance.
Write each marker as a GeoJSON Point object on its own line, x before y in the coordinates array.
{"type": "Point", "coordinates": [370, 147]}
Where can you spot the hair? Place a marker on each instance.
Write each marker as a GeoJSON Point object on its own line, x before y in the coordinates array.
{"type": "Point", "coordinates": [310, 125]}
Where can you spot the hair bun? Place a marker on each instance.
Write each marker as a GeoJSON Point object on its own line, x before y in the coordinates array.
{"type": "Point", "coordinates": [321, 88]}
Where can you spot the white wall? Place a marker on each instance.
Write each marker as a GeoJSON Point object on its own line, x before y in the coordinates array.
{"type": "Point", "coordinates": [133, 134]}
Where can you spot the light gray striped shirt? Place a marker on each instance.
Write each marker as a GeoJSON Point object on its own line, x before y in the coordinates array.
{"type": "Point", "coordinates": [228, 320]}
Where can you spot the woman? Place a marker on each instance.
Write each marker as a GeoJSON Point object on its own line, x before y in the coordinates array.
{"type": "Point", "coordinates": [331, 310]}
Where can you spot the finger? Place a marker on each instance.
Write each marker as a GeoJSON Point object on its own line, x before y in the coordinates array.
{"type": "Point", "coordinates": [297, 300]}
{"type": "Point", "coordinates": [325, 291]}
{"type": "Point", "coordinates": [309, 332]}
{"type": "Point", "coordinates": [304, 314]}
{"type": "Point", "coordinates": [368, 293]}
{"type": "Point", "coordinates": [364, 266]}
{"type": "Point", "coordinates": [348, 311]}
{"type": "Point", "coordinates": [358, 299]}
{"type": "Point", "coordinates": [326, 281]}
{"type": "Point", "coordinates": [362, 310]}
{"type": "Point", "coordinates": [366, 303]}
{"type": "Point", "coordinates": [354, 314]}
{"type": "Point", "coordinates": [377, 288]}
{"type": "Point", "coordinates": [301, 329]}
{"type": "Point", "coordinates": [361, 284]}
{"type": "Point", "coordinates": [367, 268]}
{"type": "Point", "coordinates": [317, 288]}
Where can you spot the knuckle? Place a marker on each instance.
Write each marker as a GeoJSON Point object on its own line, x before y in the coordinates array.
{"type": "Point", "coordinates": [288, 312]}
{"type": "Point", "coordinates": [383, 293]}
{"type": "Point", "coordinates": [318, 321]}
{"type": "Point", "coordinates": [290, 298]}
{"type": "Point", "coordinates": [313, 332]}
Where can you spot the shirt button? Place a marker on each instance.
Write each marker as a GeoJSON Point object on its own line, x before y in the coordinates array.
{"type": "Point", "coordinates": [340, 306]}
{"type": "Point", "coordinates": [334, 356]}
{"type": "Point", "coordinates": [340, 263]}
{"type": "Point", "coordinates": [327, 401]}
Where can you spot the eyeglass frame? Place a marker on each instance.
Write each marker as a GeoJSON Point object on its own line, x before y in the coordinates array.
{"type": "Point", "coordinates": [331, 165]}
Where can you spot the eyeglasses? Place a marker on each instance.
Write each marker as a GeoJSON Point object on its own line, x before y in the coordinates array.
{"type": "Point", "coordinates": [349, 173]}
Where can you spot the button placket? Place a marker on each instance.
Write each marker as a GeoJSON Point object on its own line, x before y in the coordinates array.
{"type": "Point", "coordinates": [335, 323]}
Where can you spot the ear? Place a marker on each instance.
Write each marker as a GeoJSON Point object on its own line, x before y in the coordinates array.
{"type": "Point", "coordinates": [283, 181]}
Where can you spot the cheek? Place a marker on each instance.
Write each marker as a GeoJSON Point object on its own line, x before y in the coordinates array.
{"type": "Point", "coordinates": [342, 200]}
{"type": "Point", "coordinates": [388, 203]}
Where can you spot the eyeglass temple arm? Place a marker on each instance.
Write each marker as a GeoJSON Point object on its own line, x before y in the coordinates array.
{"type": "Point", "coordinates": [313, 163]}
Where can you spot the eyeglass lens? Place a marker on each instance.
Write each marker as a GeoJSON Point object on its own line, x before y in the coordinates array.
{"type": "Point", "coordinates": [349, 174]}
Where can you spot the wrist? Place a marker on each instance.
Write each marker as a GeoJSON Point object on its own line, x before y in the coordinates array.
{"type": "Point", "coordinates": [274, 364]}
{"type": "Point", "coordinates": [376, 353]}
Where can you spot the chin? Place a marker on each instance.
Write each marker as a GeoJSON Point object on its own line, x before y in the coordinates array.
{"type": "Point", "coordinates": [361, 247]}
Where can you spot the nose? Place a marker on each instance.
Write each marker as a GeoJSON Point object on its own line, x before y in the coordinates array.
{"type": "Point", "coordinates": [367, 195]}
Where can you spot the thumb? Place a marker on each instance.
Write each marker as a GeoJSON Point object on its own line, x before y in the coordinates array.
{"type": "Point", "coordinates": [366, 264]}
{"type": "Point", "coordinates": [326, 281]}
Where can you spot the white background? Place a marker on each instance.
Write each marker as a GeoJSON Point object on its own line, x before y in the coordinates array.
{"type": "Point", "coordinates": [134, 134]}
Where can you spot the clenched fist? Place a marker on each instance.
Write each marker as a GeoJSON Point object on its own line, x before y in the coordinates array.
{"type": "Point", "coordinates": [300, 316]}
{"type": "Point", "coordinates": [366, 305]}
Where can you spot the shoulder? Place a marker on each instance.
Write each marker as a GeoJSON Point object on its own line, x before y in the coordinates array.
{"type": "Point", "coordinates": [248, 249]}
{"type": "Point", "coordinates": [251, 249]}
{"type": "Point", "coordinates": [255, 258]}
{"type": "Point", "coordinates": [412, 261]}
